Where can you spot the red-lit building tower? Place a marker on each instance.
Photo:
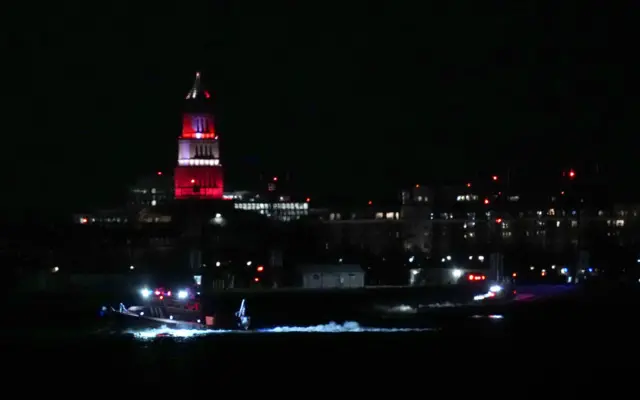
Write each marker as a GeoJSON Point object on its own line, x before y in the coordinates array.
{"type": "Point", "coordinates": [199, 171]}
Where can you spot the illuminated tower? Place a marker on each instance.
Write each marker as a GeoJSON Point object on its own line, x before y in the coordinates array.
{"type": "Point", "coordinates": [199, 171]}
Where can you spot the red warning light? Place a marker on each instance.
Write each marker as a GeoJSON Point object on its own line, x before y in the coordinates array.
{"type": "Point", "coordinates": [275, 179]}
{"type": "Point", "coordinates": [495, 177]}
{"type": "Point", "coordinates": [370, 202]}
{"type": "Point", "coordinates": [486, 201]}
{"type": "Point", "coordinates": [469, 184]}
{"type": "Point", "coordinates": [193, 181]}
{"type": "Point", "coordinates": [159, 173]}
{"type": "Point", "coordinates": [308, 199]}
{"type": "Point", "coordinates": [256, 279]}
{"type": "Point", "coordinates": [572, 174]}
{"type": "Point", "coordinates": [260, 268]}
{"type": "Point", "coordinates": [498, 220]}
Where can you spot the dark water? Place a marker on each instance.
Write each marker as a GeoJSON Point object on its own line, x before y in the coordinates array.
{"type": "Point", "coordinates": [594, 327]}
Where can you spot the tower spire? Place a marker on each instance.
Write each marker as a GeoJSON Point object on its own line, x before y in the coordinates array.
{"type": "Point", "coordinates": [196, 89]}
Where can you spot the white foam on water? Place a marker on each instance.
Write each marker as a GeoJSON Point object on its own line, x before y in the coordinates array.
{"type": "Point", "coordinates": [171, 332]}
{"type": "Point", "coordinates": [332, 327]}
{"type": "Point", "coordinates": [441, 305]}
{"type": "Point", "coordinates": [490, 316]}
{"type": "Point", "coordinates": [399, 309]}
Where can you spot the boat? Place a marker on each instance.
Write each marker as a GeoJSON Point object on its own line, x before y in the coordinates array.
{"type": "Point", "coordinates": [179, 310]}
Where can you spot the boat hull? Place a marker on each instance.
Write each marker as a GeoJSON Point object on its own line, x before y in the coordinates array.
{"type": "Point", "coordinates": [154, 317]}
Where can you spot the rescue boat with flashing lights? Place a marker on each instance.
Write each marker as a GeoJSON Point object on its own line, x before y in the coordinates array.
{"type": "Point", "coordinates": [179, 309]}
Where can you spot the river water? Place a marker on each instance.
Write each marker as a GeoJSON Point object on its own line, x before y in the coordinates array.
{"type": "Point", "coordinates": [593, 328]}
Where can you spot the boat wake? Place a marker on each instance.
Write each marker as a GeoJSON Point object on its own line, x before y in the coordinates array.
{"type": "Point", "coordinates": [332, 327]}
{"type": "Point", "coordinates": [407, 309]}
{"type": "Point", "coordinates": [446, 304]}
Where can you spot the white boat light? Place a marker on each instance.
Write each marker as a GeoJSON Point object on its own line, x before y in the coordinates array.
{"type": "Point", "coordinates": [495, 288]}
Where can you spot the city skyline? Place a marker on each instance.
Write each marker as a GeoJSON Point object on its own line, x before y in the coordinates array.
{"type": "Point", "coordinates": [344, 108]}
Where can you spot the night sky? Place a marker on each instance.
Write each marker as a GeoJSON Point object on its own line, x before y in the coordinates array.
{"type": "Point", "coordinates": [357, 100]}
